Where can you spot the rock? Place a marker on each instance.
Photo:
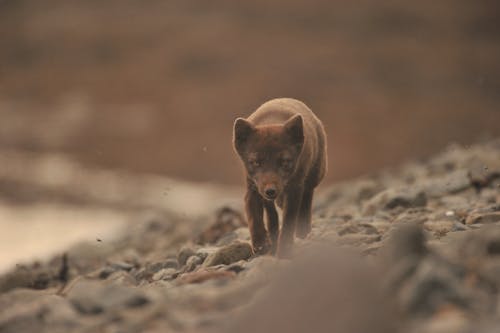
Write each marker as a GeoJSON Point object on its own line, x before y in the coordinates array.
{"type": "Point", "coordinates": [87, 257]}
{"type": "Point", "coordinates": [122, 266]}
{"type": "Point", "coordinates": [28, 277]}
{"type": "Point", "coordinates": [184, 253]}
{"type": "Point", "coordinates": [227, 239]}
{"type": "Point", "coordinates": [433, 286]}
{"type": "Point", "coordinates": [392, 198]}
{"type": "Point", "coordinates": [415, 216]}
{"type": "Point", "coordinates": [243, 233]}
{"type": "Point", "coordinates": [94, 297]}
{"type": "Point", "coordinates": [358, 239]}
{"type": "Point", "coordinates": [476, 245]}
{"type": "Point", "coordinates": [147, 273]}
{"type": "Point", "coordinates": [352, 227]}
{"type": "Point", "coordinates": [157, 266]}
{"type": "Point", "coordinates": [484, 170]}
{"type": "Point", "coordinates": [483, 218]}
{"type": "Point", "coordinates": [130, 256]}
{"type": "Point", "coordinates": [439, 228]}
{"type": "Point", "coordinates": [381, 226]}
{"type": "Point", "coordinates": [406, 241]}
{"type": "Point", "coordinates": [192, 263]}
{"type": "Point", "coordinates": [237, 267]}
{"type": "Point", "coordinates": [122, 278]}
{"type": "Point", "coordinates": [455, 202]}
{"type": "Point", "coordinates": [204, 252]}
{"type": "Point", "coordinates": [44, 313]}
{"type": "Point", "coordinates": [227, 220]}
{"type": "Point", "coordinates": [111, 268]}
{"type": "Point", "coordinates": [324, 290]}
{"type": "Point", "coordinates": [229, 254]}
{"type": "Point", "coordinates": [453, 182]}
{"type": "Point", "coordinates": [447, 320]}
{"type": "Point", "coordinates": [367, 188]}
{"type": "Point", "coordinates": [489, 270]}
{"type": "Point", "coordinates": [165, 274]}
{"type": "Point", "coordinates": [205, 275]}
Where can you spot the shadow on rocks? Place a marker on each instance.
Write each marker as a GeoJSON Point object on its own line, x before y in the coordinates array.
{"type": "Point", "coordinates": [324, 290]}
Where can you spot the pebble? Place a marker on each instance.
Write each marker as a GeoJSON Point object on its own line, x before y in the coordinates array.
{"type": "Point", "coordinates": [192, 263]}
{"type": "Point", "coordinates": [184, 253]}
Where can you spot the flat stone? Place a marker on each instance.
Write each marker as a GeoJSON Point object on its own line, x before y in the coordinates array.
{"type": "Point", "coordinates": [229, 254]}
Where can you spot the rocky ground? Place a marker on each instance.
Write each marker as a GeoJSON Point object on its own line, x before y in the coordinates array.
{"type": "Point", "coordinates": [414, 249]}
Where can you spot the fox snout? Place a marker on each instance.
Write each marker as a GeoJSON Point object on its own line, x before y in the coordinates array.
{"type": "Point", "coordinates": [270, 192]}
{"type": "Point", "coordinates": [269, 189]}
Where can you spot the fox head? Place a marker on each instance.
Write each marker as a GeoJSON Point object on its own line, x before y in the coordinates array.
{"type": "Point", "coordinates": [269, 152]}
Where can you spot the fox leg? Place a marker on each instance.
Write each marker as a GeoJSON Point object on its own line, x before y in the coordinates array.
{"type": "Point", "coordinates": [291, 209]}
{"type": "Point", "coordinates": [255, 214]}
{"type": "Point", "coordinates": [305, 214]}
{"type": "Point", "coordinates": [273, 226]}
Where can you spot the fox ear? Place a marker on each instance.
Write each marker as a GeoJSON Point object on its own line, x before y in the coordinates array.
{"type": "Point", "coordinates": [242, 130]}
{"type": "Point", "coordinates": [294, 127]}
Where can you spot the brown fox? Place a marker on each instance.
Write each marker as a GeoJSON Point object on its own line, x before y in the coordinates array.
{"type": "Point", "coordinates": [283, 149]}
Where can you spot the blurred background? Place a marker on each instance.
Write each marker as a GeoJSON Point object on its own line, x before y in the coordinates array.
{"type": "Point", "coordinates": [153, 87]}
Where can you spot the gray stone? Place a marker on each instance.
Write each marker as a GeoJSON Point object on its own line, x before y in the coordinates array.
{"type": "Point", "coordinates": [353, 227]}
{"type": "Point", "coordinates": [38, 313]}
{"type": "Point", "coordinates": [483, 218]}
{"type": "Point", "coordinates": [94, 297]}
{"type": "Point", "coordinates": [358, 239]}
{"type": "Point", "coordinates": [184, 253]}
{"type": "Point", "coordinates": [439, 228]}
{"type": "Point", "coordinates": [165, 274]}
{"type": "Point", "coordinates": [227, 239]}
{"type": "Point", "coordinates": [453, 182]}
{"type": "Point", "coordinates": [433, 286]}
{"type": "Point", "coordinates": [389, 199]}
{"type": "Point", "coordinates": [192, 263]}
{"type": "Point", "coordinates": [229, 254]}
{"type": "Point", "coordinates": [157, 266]}
{"type": "Point", "coordinates": [123, 278]}
{"type": "Point", "coordinates": [204, 252]}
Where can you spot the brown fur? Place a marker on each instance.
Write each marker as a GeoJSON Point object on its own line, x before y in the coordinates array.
{"type": "Point", "coordinates": [283, 148]}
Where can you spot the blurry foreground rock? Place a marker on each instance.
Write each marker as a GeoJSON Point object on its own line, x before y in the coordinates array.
{"type": "Point", "coordinates": [324, 290]}
{"type": "Point", "coordinates": [414, 249]}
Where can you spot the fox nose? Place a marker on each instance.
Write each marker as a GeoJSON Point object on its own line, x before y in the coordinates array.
{"type": "Point", "coordinates": [271, 193]}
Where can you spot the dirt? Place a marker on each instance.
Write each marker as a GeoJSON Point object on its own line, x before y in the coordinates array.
{"type": "Point", "coordinates": [411, 249]}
